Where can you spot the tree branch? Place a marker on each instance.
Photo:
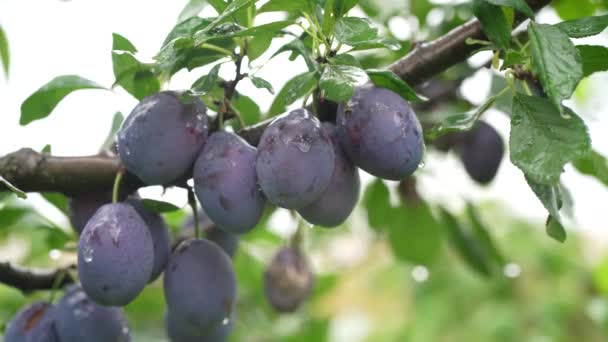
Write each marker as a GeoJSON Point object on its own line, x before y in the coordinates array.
{"type": "Point", "coordinates": [28, 280]}
{"type": "Point", "coordinates": [34, 172]}
{"type": "Point", "coordinates": [428, 59]}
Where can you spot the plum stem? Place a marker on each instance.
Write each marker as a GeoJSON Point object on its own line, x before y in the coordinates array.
{"type": "Point", "coordinates": [192, 202]}
{"type": "Point", "coordinates": [58, 280]}
{"type": "Point", "coordinates": [117, 181]}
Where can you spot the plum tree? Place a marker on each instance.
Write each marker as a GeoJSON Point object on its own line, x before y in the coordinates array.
{"type": "Point", "coordinates": [339, 199]}
{"type": "Point", "coordinates": [82, 207]}
{"type": "Point", "coordinates": [78, 319]}
{"type": "Point", "coordinates": [226, 183]}
{"type": "Point", "coordinates": [115, 255]}
{"type": "Point", "coordinates": [34, 323]}
{"type": "Point", "coordinates": [200, 286]}
{"type": "Point", "coordinates": [227, 241]}
{"type": "Point", "coordinates": [180, 333]}
{"type": "Point", "coordinates": [288, 279]}
{"type": "Point", "coordinates": [481, 152]}
{"type": "Point", "coordinates": [162, 136]}
{"type": "Point", "coordinates": [159, 233]}
{"type": "Point", "coordinates": [381, 133]}
{"type": "Point", "coordinates": [295, 160]}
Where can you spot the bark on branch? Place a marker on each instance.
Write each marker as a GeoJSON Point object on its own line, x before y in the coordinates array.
{"type": "Point", "coordinates": [28, 280]}
{"type": "Point", "coordinates": [34, 172]}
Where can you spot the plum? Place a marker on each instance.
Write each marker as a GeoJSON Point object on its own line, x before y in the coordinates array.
{"type": "Point", "coordinates": [34, 323]}
{"type": "Point", "coordinates": [78, 319]}
{"type": "Point", "coordinates": [178, 333]}
{"type": "Point", "coordinates": [115, 255]}
{"type": "Point", "coordinates": [162, 136]}
{"type": "Point", "coordinates": [82, 207]}
{"type": "Point", "coordinates": [339, 199]}
{"type": "Point", "coordinates": [200, 286]}
{"type": "Point", "coordinates": [288, 279]}
{"type": "Point", "coordinates": [481, 152]}
{"type": "Point", "coordinates": [226, 183]}
{"type": "Point", "coordinates": [381, 133]}
{"type": "Point", "coordinates": [228, 242]}
{"type": "Point", "coordinates": [159, 232]}
{"type": "Point", "coordinates": [295, 160]}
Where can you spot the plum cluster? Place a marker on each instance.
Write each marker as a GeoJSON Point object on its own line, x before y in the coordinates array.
{"type": "Point", "coordinates": [75, 318]}
{"type": "Point", "coordinates": [299, 164]}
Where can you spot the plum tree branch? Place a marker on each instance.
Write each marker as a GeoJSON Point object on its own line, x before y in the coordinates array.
{"type": "Point", "coordinates": [28, 280]}
{"type": "Point", "coordinates": [34, 172]}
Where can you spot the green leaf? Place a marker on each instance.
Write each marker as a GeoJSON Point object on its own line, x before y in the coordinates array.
{"type": "Point", "coordinates": [46, 149]}
{"type": "Point", "coordinates": [116, 123]}
{"type": "Point", "coordinates": [555, 60]}
{"type": "Point", "coordinates": [120, 43]}
{"type": "Point", "coordinates": [550, 196]}
{"type": "Point", "coordinates": [57, 199]}
{"type": "Point", "coordinates": [329, 18]}
{"type": "Point", "coordinates": [415, 235]}
{"type": "Point", "coordinates": [42, 102]}
{"type": "Point", "coordinates": [584, 27]}
{"type": "Point", "coordinates": [192, 9]}
{"type": "Point", "coordinates": [593, 164]}
{"type": "Point", "coordinates": [338, 82]}
{"type": "Point", "coordinates": [11, 215]}
{"type": "Point", "coordinates": [259, 44]}
{"type": "Point", "coordinates": [483, 236]}
{"type": "Point", "coordinates": [493, 22]}
{"type": "Point", "coordinates": [286, 6]}
{"type": "Point", "coordinates": [345, 59]}
{"type": "Point", "coordinates": [542, 141]}
{"type": "Point", "coordinates": [159, 206]}
{"type": "Point", "coordinates": [376, 201]}
{"type": "Point", "coordinates": [294, 89]}
{"type": "Point", "coordinates": [594, 58]}
{"type": "Point", "coordinates": [573, 9]}
{"type": "Point", "coordinates": [379, 42]}
{"type": "Point", "coordinates": [133, 76]}
{"type": "Point", "coordinates": [248, 109]}
{"type": "Point", "coordinates": [460, 122]}
{"type": "Point", "coordinates": [297, 46]}
{"type": "Point", "coordinates": [239, 31]}
{"type": "Point", "coordinates": [13, 188]}
{"type": "Point", "coordinates": [4, 55]}
{"type": "Point", "coordinates": [259, 82]}
{"type": "Point", "coordinates": [187, 29]}
{"type": "Point", "coordinates": [353, 31]}
{"type": "Point", "coordinates": [205, 83]}
{"type": "Point", "coordinates": [519, 5]}
{"type": "Point", "coordinates": [341, 7]}
{"type": "Point", "coordinates": [232, 7]}
{"type": "Point", "coordinates": [468, 248]}
{"type": "Point", "coordinates": [389, 80]}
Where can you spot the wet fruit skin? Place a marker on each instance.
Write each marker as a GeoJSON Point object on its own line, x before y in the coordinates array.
{"type": "Point", "coordinates": [162, 136]}
{"type": "Point", "coordinates": [78, 319]}
{"type": "Point", "coordinates": [225, 182]}
{"type": "Point", "coordinates": [159, 231]}
{"type": "Point", "coordinates": [381, 133]}
{"type": "Point", "coordinates": [336, 203]}
{"type": "Point", "coordinates": [200, 286]}
{"type": "Point", "coordinates": [82, 207]}
{"type": "Point", "coordinates": [295, 160]}
{"type": "Point", "coordinates": [115, 255]}
{"type": "Point", "coordinates": [481, 152]}
{"type": "Point", "coordinates": [34, 323]}
{"type": "Point", "coordinates": [288, 280]}
{"type": "Point", "coordinates": [178, 333]}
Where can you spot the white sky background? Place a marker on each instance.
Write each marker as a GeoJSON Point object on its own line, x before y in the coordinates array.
{"type": "Point", "coordinates": [48, 38]}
